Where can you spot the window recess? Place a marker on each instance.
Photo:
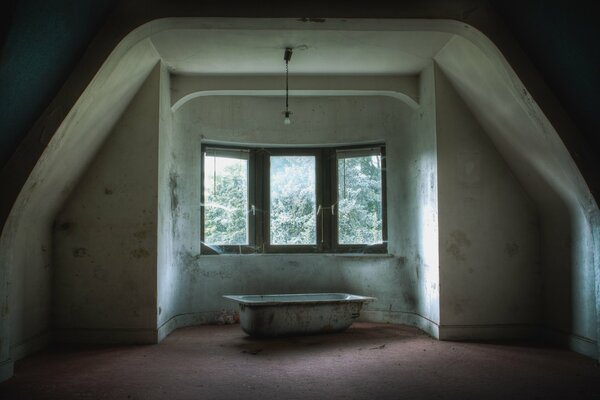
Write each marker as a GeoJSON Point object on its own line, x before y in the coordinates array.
{"type": "Point", "coordinates": [273, 200]}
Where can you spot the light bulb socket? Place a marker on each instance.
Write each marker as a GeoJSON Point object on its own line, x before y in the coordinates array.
{"type": "Point", "coordinates": [287, 120]}
{"type": "Point", "coordinates": [287, 56]}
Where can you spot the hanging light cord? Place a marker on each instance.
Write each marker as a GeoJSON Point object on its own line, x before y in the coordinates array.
{"type": "Point", "coordinates": [286, 85]}
{"type": "Point", "coordinates": [287, 56]}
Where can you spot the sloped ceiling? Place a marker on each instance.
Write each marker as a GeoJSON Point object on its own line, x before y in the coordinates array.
{"type": "Point", "coordinates": [42, 41]}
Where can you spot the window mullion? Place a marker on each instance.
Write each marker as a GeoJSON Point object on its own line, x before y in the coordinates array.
{"type": "Point", "coordinates": [321, 213]}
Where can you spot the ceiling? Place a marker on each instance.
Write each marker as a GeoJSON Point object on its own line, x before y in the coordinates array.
{"type": "Point", "coordinates": [316, 52]}
{"type": "Point", "coordinates": [42, 42]}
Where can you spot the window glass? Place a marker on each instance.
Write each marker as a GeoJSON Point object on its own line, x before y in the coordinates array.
{"type": "Point", "coordinates": [293, 200]}
{"type": "Point", "coordinates": [359, 206]}
{"type": "Point", "coordinates": [225, 197]}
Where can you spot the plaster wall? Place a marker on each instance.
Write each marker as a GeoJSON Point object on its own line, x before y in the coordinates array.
{"type": "Point", "coordinates": [539, 160]}
{"type": "Point", "coordinates": [167, 167]}
{"type": "Point", "coordinates": [199, 280]}
{"type": "Point", "coordinates": [490, 270]}
{"type": "Point", "coordinates": [417, 199]}
{"type": "Point", "coordinates": [105, 240]}
{"type": "Point", "coordinates": [31, 286]}
{"type": "Point", "coordinates": [25, 260]}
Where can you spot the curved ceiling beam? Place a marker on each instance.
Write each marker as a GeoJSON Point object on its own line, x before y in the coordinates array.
{"type": "Point", "coordinates": [185, 88]}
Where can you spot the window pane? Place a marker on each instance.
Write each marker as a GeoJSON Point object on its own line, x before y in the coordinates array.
{"type": "Point", "coordinates": [293, 200]}
{"type": "Point", "coordinates": [225, 199]}
{"type": "Point", "coordinates": [359, 200]}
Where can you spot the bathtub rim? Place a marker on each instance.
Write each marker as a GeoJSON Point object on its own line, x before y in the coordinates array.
{"type": "Point", "coordinates": [271, 299]}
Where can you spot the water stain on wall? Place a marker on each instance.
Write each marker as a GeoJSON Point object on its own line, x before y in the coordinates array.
{"type": "Point", "coordinates": [65, 226]}
{"type": "Point", "coordinates": [187, 259]}
{"type": "Point", "coordinates": [512, 249]}
{"type": "Point", "coordinates": [142, 234]}
{"type": "Point", "coordinates": [173, 177]}
{"type": "Point", "coordinates": [100, 273]}
{"type": "Point", "coordinates": [458, 242]}
{"type": "Point", "coordinates": [458, 309]}
{"type": "Point", "coordinates": [80, 252]}
{"type": "Point", "coordinates": [140, 253]}
{"type": "Point", "coordinates": [409, 300]}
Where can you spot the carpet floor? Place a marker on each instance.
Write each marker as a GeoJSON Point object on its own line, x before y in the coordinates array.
{"type": "Point", "coordinates": [368, 361]}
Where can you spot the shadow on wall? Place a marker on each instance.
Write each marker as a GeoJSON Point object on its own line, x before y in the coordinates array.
{"type": "Point", "coordinates": [557, 262]}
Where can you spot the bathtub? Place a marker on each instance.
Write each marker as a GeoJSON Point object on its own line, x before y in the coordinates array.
{"type": "Point", "coordinates": [297, 314]}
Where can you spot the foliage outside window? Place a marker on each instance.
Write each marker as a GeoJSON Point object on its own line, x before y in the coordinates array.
{"type": "Point", "coordinates": [293, 200]}
{"type": "Point", "coordinates": [293, 207]}
{"type": "Point", "coordinates": [360, 203]}
{"type": "Point", "coordinates": [226, 197]}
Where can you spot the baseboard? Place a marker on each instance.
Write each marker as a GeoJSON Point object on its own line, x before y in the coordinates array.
{"type": "Point", "coordinates": [29, 346]}
{"type": "Point", "coordinates": [579, 344]}
{"type": "Point", "coordinates": [7, 369]}
{"type": "Point", "coordinates": [487, 332]}
{"type": "Point", "coordinates": [105, 336]}
{"type": "Point", "coordinates": [183, 320]}
{"type": "Point", "coordinates": [400, 317]}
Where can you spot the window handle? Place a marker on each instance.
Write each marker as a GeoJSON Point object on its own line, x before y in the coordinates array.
{"type": "Point", "coordinates": [319, 209]}
{"type": "Point", "coordinates": [333, 209]}
{"type": "Point", "coordinates": [253, 208]}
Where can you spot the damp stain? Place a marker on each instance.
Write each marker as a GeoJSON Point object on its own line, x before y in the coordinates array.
{"type": "Point", "coordinates": [80, 252]}
{"type": "Point", "coordinates": [409, 300]}
{"type": "Point", "coordinates": [100, 273]}
{"type": "Point", "coordinates": [140, 253]}
{"type": "Point", "coordinates": [512, 249]}
{"type": "Point", "coordinates": [140, 234]}
{"type": "Point", "coordinates": [308, 19]}
{"type": "Point", "coordinates": [173, 177]}
{"type": "Point", "coordinates": [64, 226]}
{"type": "Point", "coordinates": [458, 309]}
{"type": "Point", "coordinates": [458, 242]}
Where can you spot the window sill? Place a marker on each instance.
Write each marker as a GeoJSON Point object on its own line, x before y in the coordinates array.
{"type": "Point", "coordinates": [303, 255]}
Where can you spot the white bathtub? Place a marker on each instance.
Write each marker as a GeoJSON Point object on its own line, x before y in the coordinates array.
{"type": "Point", "coordinates": [298, 314]}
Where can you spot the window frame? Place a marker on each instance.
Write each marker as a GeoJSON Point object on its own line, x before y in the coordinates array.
{"type": "Point", "coordinates": [266, 225]}
{"type": "Point", "coordinates": [359, 248]}
{"type": "Point", "coordinates": [248, 248]}
{"type": "Point", "coordinates": [326, 193]}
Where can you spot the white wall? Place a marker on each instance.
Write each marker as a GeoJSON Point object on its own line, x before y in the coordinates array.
{"type": "Point", "coordinates": [417, 201]}
{"type": "Point", "coordinates": [198, 281]}
{"type": "Point", "coordinates": [543, 166]}
{"type": "Point", "coordinates": [167, 205]}
{"type": "Point", "coordinates": [490, 270]}
{"type": "Point", "coordinates": [26, 264]}
{"type": "Point", "coordinates": [105, 240]}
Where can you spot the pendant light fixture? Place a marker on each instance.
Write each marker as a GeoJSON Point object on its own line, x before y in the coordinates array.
{"type": "Point", "coordinates": [287, 56]}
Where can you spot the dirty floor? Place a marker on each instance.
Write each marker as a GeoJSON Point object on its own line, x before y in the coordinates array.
{"type": "Point", "coordinates": [369, 361]}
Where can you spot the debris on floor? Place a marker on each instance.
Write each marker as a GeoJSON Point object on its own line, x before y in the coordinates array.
{"type": "Point", "coordinates": [253, 352]}
{"type": "Point", "coordinates": [227, 317]}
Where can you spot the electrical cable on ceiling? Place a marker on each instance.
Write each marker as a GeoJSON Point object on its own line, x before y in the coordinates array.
{"type": "Point", "coordinates": [287, 56]}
